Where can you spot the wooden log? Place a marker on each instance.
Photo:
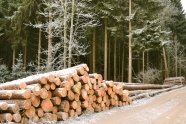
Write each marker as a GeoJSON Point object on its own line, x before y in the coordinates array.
{"type": "Point", "coordinates": [73, 104]}
{"type": "Point", "coordinates": [52, 86]}
{"type": "Point", "coordinates": [55, 109]}
{"type": "Point", "coordinates": [30, 112]}
{"type": "Point", "coordinates": [70, 95]}
{"type": "Point", "coordinates": [57, 81]}
{"type": "Point", "coordinates": [144, 86]}
{"type": "Point", "coordinates": [79, 110]}
{"type": "Point", "coordinates": [5, 117]}
{"type": "Point", "coordinates": [16, 117]}
{"type": "Point", "coordinates": [47, 86]}
{"type": "Point", "coordinates": [109, 83]}
{"type": "Point", "coordinates": [35, 100]}
{"type": "Point", "coordinates": [23, 104]}
{"type": "Point", "coordinates": [56, 100]}
{"type": "Point", "coordinates": [175, 80]}
{"type": "Point", "coordinates": [76, 97]}
{"type": "Point", "coordinates": [51, 78]}
{"type": "Point", "coordinates": [136, 92]}
{"type": "Point", "coordinates": [3, 106]}
{"type": "Point", "coordinates": [84, 79]}
{"type": "Point", "coordinates": [24, 120]}
{"type": "Point", "coordinates": [62, 116]}
{"type": "Point", "coordinates": [83, 94]}
{"type": "Point", "coordinates": [71, 113]}
{"type": "Point", "coordinates": [84, 104]}
{"type": "Point", "coordinates": [35, 89]}
{"type": "Point", "coordinates": [43, 93]}
{"type": "Point", "coordinates": [14, 94]}
{"type": "Point", "coordinates": [64, 106]}
{"type": "Point", "coordinates": [35, 118]}
{"type": "Point", "coordinates": [65, 84]}
{"type": "Point", "coordinates": [60, 92]}
{"type": "Point", "coordinates": [85, 86]}
{"type": "Point", "coordinates": [14, 85]}
{"type": "Point", "coordinates": [143, 95]}
{"type": "Point", "coordinates": [76, 88]}
{"type": "Point", "coordinates": [12, 108]}
{"type": "Point", "coordinates": [71, 82]}
{"type": "Point", "coordinates": [99, 99]}
{"type": "Point", "coordinates": [93, 76]}
{"type": "Point", "coordinates": [46, 105]}
{"type": "Point", "coordinates": [100, 78]}
{"type": "Point", "coordinates": [40, 112]}
{"type": "Point", "coordinates": [49, 94]}
{"type": "Point", "coordinates": [75, 77]}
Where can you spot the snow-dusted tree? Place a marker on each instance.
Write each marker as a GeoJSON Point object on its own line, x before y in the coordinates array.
{"type": "Point", "coordinates": [69, 20]}
{"type": "Point", "coordinates": [4, 73]}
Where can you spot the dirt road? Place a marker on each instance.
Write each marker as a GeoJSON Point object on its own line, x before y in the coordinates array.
{"type": "Point", "coordinates": [167, 108]}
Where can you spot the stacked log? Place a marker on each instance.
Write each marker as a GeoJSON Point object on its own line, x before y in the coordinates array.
{"type": "Point", "coordinates": [175, 81]}
{"type": "Point", "coordinates": [57, 95]}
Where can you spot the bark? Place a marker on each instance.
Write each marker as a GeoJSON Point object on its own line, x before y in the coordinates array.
{"type": "Point", "coordinates": [153, 93]}
{"type": "Point", "coordinates": [49, 63]}
{"type": "Point", "coordinates": [62, 116]}
{"type": "Point", "coordinates": [123, 64]}
{"type": "Point", "coordinates": [105, 51]}
{"type": "Point", "coordinates": [65, 35]}
{"type": "Point", "coordinates": [14, 85]}
{"type": "Point", "coordinates": [165, 64]}
{"type": "Point", "coordinates": [130, 47]}
{"type": "Point", "coordinates": [25, 54]}
{"type": "Point", "coordinates": [39, 52]}
{"type": "Point", "coordinates": [15, 94]}
{"type": "Point", "coordinates": [71, 34]}
{"type": "Point", "coordinates": [94, 51]}
{"type": "Point", "coordinates": [115, 66]}
{"type": "Point", "coordinates": [14, 54]}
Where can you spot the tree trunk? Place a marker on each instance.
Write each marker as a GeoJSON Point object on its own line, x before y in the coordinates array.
{"type": "Point", "coordinates": [25, 54]}
{"type": "Point", "coordinates": [71, 34]}
{"type": "Point", "coordinates": [115, 66]}
{"type": "Point", "coordinates": [14, 52]}
{"type": "Point", "coordinates": [65, 35]}
{"type": "Point", "coordinates": [147, 60]}
{"type": "Point", "coordinates": [130, 47]}
{"type": "Point", "coordinates": [105, 51]}
{"type": "Point", "coordinates": [39, 51]}
{"type": "Point", "coordinates": [94, 51]}
{"type": "Point", "coordinates": [49, 64]}
{"type": "Point", "coordinates": [165, 63]}
{"type": "Point", "coordinates": [123, 63]}
{"type": "Point", "coordinates": [176, 56]}
{"type": "Point", "coordinates": [143, 65]}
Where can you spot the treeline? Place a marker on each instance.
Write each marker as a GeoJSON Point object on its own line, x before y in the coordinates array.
{"type": "Point", "coordinates": [57, 34]}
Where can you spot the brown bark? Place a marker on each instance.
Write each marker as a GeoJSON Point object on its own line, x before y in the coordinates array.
{"type": "Point", "coordinates": [62, 116]}
{"type": "Point", "coordinates": [12, 108]}
{"type": "Point", "coordinates": [56, 100]}
{"type": "Point", "coordinates": [15, 94]}
{"type": "Point", "coordinates": [14, 85]}
{"type": "Point", "coordinates": [23, 104]}
{"type": "Point", "coordinates": [64, 106]}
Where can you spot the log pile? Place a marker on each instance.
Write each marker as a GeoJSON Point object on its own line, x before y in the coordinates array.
{"type": "Point", "coordinates": [175, 81]}
{"type": "Point", "coordinates": [55, 96]}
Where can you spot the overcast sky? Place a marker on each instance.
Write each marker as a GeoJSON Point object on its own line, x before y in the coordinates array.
{"type": "Point", "coordinates": [184, 4]}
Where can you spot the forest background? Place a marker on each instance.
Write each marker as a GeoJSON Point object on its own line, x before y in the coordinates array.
{"type": "Point", "coordinates": [124, 40]}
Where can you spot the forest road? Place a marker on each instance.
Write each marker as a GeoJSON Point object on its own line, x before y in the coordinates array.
{"type": "Point", "coordinates": [168, 108]}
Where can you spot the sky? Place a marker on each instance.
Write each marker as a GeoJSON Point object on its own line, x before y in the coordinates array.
{"type": "Point", "coordinates": [184, 4]}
